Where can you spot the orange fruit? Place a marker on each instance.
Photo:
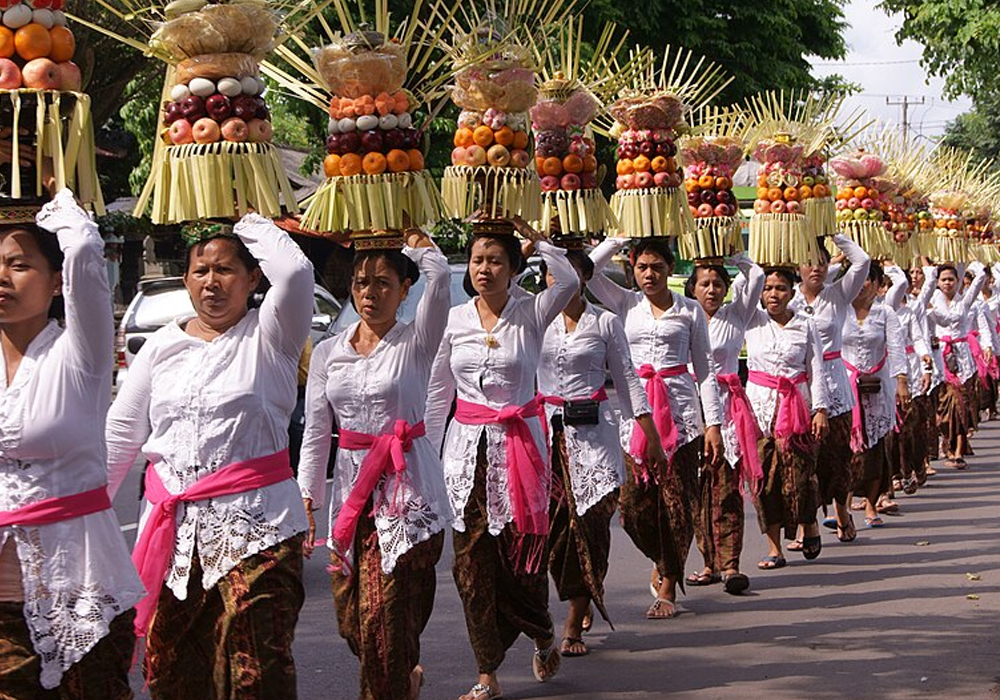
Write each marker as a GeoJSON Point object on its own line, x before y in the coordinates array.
{"type": "Point", "coordinates": [397, 160]}
{"type": "Point", "coordinates": [504, 136]}
{"type": "Point", "coordinates": [791, 194]}
{"type": "Point", "coordinates": [350, 164]}
{"type": "Point", "coordinates": [553, 166]}
{"type": "Point", "coordinates": [590, 163]}
{"type": "Point", "coordinates": [860, 192]}
{"type": "Point", "coordinates": [572, 163]}
{"type": "Point", "coordinates": [706, 181]}
{"type": "Point", "coordinates": [773, 194]}
{"type": "Point", "coordinates": [331, 165]}
{"type": "Point", "coordinates": [33, 41]}
{"type": "Point", "coordinates": [540, 164]}
{"type": "Point", "coordinates": [416, 159]}
{"type": "Point", "coordinates": [820, 190]}
{"type": "Point", "coordinates": [641, 164]}
{"type": "Point", "coordinates": [6, 43]}
{"type": "Point", "coordinates": [658, 164]}
{"type": "Point", "coordinates": [374, 163]}
{"type": "Point", "coordinates": [63, 44]}
{"type": "Point", "coordinates": [762, 192]}
{"type": "Point", "coordinates": [624, 167]}
{"type": "Point", "coordinates": [805, 192]}
{"type": "Point", "coordinates": [463, 137]}
{"type": "Point", "coordinates": [483, 136]}
{"type": "Point", "coordinates": [521, 140]}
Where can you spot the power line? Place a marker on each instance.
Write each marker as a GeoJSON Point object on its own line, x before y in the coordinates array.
{"type": "Point", "coordinates": [866, 63]}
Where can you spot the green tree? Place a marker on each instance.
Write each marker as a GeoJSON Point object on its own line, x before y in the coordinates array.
{"type": "Point", "coordinates": [961, 40]}
{"type": "Point", "coordinates": [978, 130]}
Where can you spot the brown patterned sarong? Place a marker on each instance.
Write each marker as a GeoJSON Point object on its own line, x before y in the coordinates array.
{"type": "Point", "coordinates": [790, 496]}
{"type": "Point", "coordinates": [833, 461]}
{"type": "Point", "coordinates": [718, 517]}
{"type": "Point", "coordinates": [579, 546]}
{"type": "Point", "coordinates": [931, 416]}
{"type": "Point", "coordinates": [382, 617]}
{"type": "Point", "coordinates": [870, 467]}
{"type": "Point", "coordinates": [951, 416]}
{"type": "Point", "coordinates": [657, 512]}
{"type": "Point", "coordinates": [971, 391]}
{"type": "Point", "coordinates": [500, 600]}
{"type": "Point", "coordinates": [102, 674]}
{"type": "Point", "coordinates": [233, 641]}
{"type": "Point", "coordinates": [908, 449]}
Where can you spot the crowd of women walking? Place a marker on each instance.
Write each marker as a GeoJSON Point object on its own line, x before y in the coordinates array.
{"type": "Point", "coordinates": [854, 368]}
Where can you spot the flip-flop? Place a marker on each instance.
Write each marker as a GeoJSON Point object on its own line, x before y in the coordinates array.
{"type": "Point", "coordinates": [571, 641]}
{"type": "Point", "coordinates": [734, 584]}
{"type": "Point", "coordinates": [481, 691]}
{"type": "Point", "coordinates": [874, 522]}
{"type": "Point", "coordinates": [700, 578]}
{"type": "Point", "coordinates": [651, 614]}
{"type": "Point", "coordinates": [794, 546]}
{"type": "Point", "coordinates": [812, 546]}
{"type": "Point", "coordinates": [830, 523]}
{"type": "Point", "coordinates": [545, 663]}
{"type": "Point", "coordinates": [772, 561]}
{"type": "Point", "coordinates": [889, 506]}
{"type": "Point", "coordinates": [849, 533]}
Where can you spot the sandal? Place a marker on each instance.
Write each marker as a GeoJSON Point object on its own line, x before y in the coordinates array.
{"type": "Point", "coordinates": [772, 561]}
{"type": "Point", "coordinates": [887, 505]}
{"type": "Point", "coordinates": [481, 691]}
{"type": "Point", "coordinates": [812, 546]}
{"type": "Point", "coordinates": [654, 610]}
{"type": "Point", "coordinates": [700, 578]}
{"type": "Point", "coordinates": [830, 523]}
{"type": "Point", "coordinates": [874, 522]}
{"type": "Point", "coordinates": [794, 546]}
{"type": "Point", "coordinates": [960, 463]}
{"type": "Point", "coordinates": [734, 584]}
{"type": "Point", "coordinates": [849, 533]}
{"type": "Point", "coordinates": [858, 504]}
{"type": "Point", "coordinates": [566, 648]}
{"type": "Point", "coordinates": [545, 663]}
{"type": "Point", "coordinates": [911, 486]}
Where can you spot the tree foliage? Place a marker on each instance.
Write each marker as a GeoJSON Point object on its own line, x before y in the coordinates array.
{"type": "Point", "coordinates": [978, 130]}
{"type": "Point", "coordinates": [961, 40]}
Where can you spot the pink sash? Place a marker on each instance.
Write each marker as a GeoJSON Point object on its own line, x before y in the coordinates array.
{"type": "Point", "coordinates": [910, 349]}
{"type": "Point", "coordinates": [832, 355]}
{"type": "Point", "coordinates": [793, 414]}
{"type": "Point", "coordinates": [386, 455]}
{"type": "Point", "coordinates": [858, 440]}
{"type": "Point", "coordinates": [950, 376]}
{"type": "Point", "coordinates": [155, 546]}
{"type": "Point", "coordinates": [747, 433]}
{"type": "Point", "coordinates": [663, 418]}
{"type": "Point", "coordinates": [982, 368]}
{"type": "Point", "coordinates": [526, 470]}
{"type": "Point", "coordinates": [57, 509]}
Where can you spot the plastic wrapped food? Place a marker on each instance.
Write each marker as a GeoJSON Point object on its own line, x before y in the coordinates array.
{"type": "Point", "coordinates": [858, 166]}
{"type": "Point", "coordinates": [659, 111]}
{"type": "Point", "coordinates": [353, 70]}
{"type": "Point", "coordinates": [215, 66]}
{"type": "Point", "coordinates": [549, 114]}
{"type": "Point", "coordinates": [237, 28]}
{"type": "Point", "coordinates": [504, 86]}
{"type": "Point", "coordinates": [581, 107]}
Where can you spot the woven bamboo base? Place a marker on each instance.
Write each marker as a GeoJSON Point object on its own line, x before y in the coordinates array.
{"type": "Point", "coordinates": [373, 202]}
{"type": "Point", "coordinates": [56, 125]}
{"type": "Point", "coordinates": [577, 213]}
{"type": "Point", "coordinates": [781, 240]}
{"type": "Point", "coordinates": [870, 235]}
{"type": "Point", "coordinates": [497, 192]}
{"type": "Point", "coordinates": [713, 237]}
{"type": "Point", "coordinates": [821, 216]}
{"type": "Point", "coordinates": [652, 212]}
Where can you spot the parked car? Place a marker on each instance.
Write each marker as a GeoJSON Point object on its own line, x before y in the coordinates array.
{"type": "Point", "coordinates": [160, 300]}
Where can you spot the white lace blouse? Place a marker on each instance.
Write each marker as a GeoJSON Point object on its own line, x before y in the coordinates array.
{"type": "Point", "coordinates": [918, 303]}
{"type": "Point", "coordinates": [784, 351]}
{"type": "Point", "coordinates": [914, 333]}
{"type": "Point", "coordinates": [368, 395]}
{"type": "Point", "coordinates": [949, 319]}
{"type": "Point", "coordinates": [726, 331]}
{"type": "Point", "coordinates": [192, 407]}
{"type": "Point", "coordinates": [573, 366]}
{"type": "Point", "coordinates": [865, 345]}
{"type": "Point", "coordinates": [494, 369]}
{"type": "Point", "coordinates": [828, 310]}
{"type": "Point", "coordinates": [76, 575]}
{"type": "Point", "coordinates": [678, 337]}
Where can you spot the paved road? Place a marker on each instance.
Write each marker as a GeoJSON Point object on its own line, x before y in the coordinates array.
{"type": "Point", "coordinates": [891, 616]}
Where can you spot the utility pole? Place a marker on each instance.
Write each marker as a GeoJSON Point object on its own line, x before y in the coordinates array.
{"type": "Point", "coordinates": [905, 104]}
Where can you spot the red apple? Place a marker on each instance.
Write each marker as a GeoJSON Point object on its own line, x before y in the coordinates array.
{"type": "Point", "coordinates": [458, 155]}
{"type": "Point", "coordinates": [350, 142]}
{"type": "Point", "coordinates": [550, 183]}
{"type": "Point", "coordinates": [41, 74]}
{"type": "Point", "coordinates": [172, 112]}
{"type": "Point", "coordinates": [218, 107]}
{"type": "Point", "coordinates": [705, 209]}
{"type": "Point", "coordinates": [519, 158]}
{"type": "Point", "coordinates": [180, 132]}
{"type": "Point", "coordinates": [235, 129]}
{"type": "Point", "coordinates": [70, 77]}
{"type": "Point", "coordinates": [193, 107]}
{"type": "Point", "coordinates": [588, 181]}
{"type": "Point", "coordinates": [10, 75]}
{"type": "Point", "coordinates": [206, 130]}
{"type": "Point", "coordinates": [625, 182]}
{"type": "Point", "coordinates": [244, 106]}
{"type": "Point", "coordinates": [570, 182]}
{"type": "Point", "coordinates": [663, 180]}
{"type": "Point", "coordinates": [41, 4]}
{"type": "Point", "coordinates": [644, 180]}
{"type": "Point", "coordinates": [722, 210]}
{"type": "Point", "coordinates": [371, 141]}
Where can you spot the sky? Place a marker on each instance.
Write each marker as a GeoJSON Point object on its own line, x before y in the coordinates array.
{"type": "Point", "coordinates": [888, 71]}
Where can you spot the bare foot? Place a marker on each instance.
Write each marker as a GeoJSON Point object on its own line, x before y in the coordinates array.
{"type": "Point", "coordinates": [416, 681]}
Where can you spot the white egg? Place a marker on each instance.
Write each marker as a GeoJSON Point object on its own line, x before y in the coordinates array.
{"type": "Point", "coordinates": [230, 87]}
{"type": "Point", "coordinates": [261, 85]}
{"type": "Point", "coordinates": [43, 17]}
{"type": "Point", "coordinates": [59, 18]}
{"type": "Point", "coordinates": [404, 120]}
{"type": "Point", "coordinates": [388, 121]}
{"type": "Point", "coordinates": [249, 85]}
{"type": "Point", "coordinates": [367, 122]}
{"type": "Point", "coordinates": [347, 124]}
{"type": "Point", "coordinates": [17, 16]}
{"type": "Point", "coordinates": [333, 127]}
{"type": "Point", "coordinates": [179, 92]}
{"type": "Point", "coordinates": [202, 87]}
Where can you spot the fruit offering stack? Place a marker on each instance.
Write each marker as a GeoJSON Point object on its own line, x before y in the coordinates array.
{"type": "Point", "coordinates": [216, 160]}
{"type": "Point", "coordinates": [649, 200]}
{"type": "Point", "coordinates": [376, 183]}
{"type": "Point", "coordinates": [949, 209]}
{"type": "Point", "coordinates": [864, 197]}
{"type": "Point", "coordinates": [36, 47]}
{"type": "Point", "coordinates": [709, 165]}
{"type": "Point", "coordinates": [228, 109]}
{"type": "Point", "coordinates": [490, 161]}
{"type": "Point", "coordinates": [816, 197]}
{"type": "Point", "coordinates": [779, 236]}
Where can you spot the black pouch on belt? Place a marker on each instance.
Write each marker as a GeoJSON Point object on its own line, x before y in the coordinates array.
{"type": "Point", "coordinates": [582, 412]}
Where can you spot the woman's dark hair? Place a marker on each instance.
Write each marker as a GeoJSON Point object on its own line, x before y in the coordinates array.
{"type": "Point", "coordinates": [824, 252]}
{"type": "Point", "coordinates": [789, 276]}
{"type": "Point", "coordinates": [875, 273]}
{"type": "Point", "coordinates": [510, 245]}
{"type": "Point", "coordinates": [945, 267]}
{"type": "Point", "coordinates": [580, 260]}
{"type": "Point", "coordinates": [404, 268]}
{"type": "Point", "coordinates": [48, 246]}
{"type": "Point", "coordinates": [656, 246]}
{"type": "Point", "coordinates": [692, 281]}
{"type": "Point", "coordinates": [248, 260]}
